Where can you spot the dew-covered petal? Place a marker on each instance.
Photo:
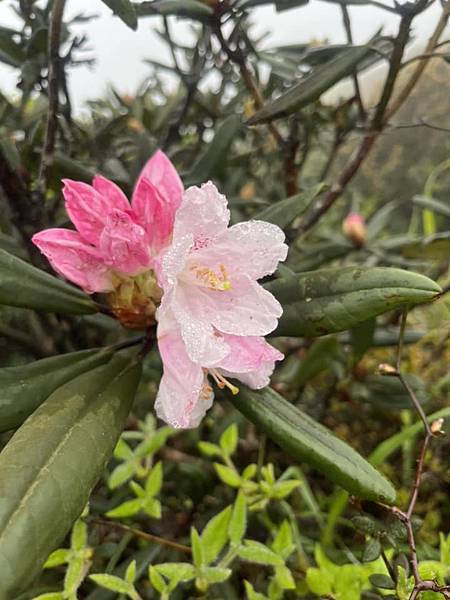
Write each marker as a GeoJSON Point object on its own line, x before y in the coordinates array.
{"type": "Point", "coordinates": [111, 192]}
{"type": "Point", "coordinates": [245, 309]}
{"type": "Point", "coordinates": [156, 198]}
{"type": "Point", "coordinates": [204, 344]}
{"type": "Point", "coordinates": [123, 244]}
{"type": "Point", "coordinates": [203, 214]}
{"type": "Point", "coordinates": [75, 260]}
{"type": "Point", "coordinates": [87, 209]}
{"type": "Point", "coordinates": [154, 214]}
{"type": "Point", "coordinates": [160, 172]}
{"type": "Point", "coordinates": [170, 264]}
{"type": "Point", "coordinates": [184, 395]}
{"type": "Point", "coordinates": [253, 248]}
{"type": "Point", "coordinates": [257, 379]}
{"type": "Point", "coordinates": [248, 353]}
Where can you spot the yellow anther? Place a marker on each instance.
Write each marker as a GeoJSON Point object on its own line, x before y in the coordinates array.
{"type": "Point", "coordinates": [211, 279]}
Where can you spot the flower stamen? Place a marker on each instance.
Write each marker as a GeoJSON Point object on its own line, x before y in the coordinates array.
{"type": "Point", "coordinates": [211, 279]}
{"type": "Point", "coordinates": [222, 382]}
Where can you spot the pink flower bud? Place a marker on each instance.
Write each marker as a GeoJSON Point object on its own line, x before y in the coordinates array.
{"type": "Point", "coordinates": [354, 228]}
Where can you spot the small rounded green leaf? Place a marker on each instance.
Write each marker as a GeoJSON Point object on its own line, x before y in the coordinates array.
{"type": "Point", "coordinates": [24, 286]}
{"type": "Point", "coordinates": [215, 535]}
{"type": "Point", "coordinates": [372, 551]}
{"type": "Point", "coordinates": [238, 522]}
{"type": "Point", "coordinates": [52, 462]}
{"type": "Point", "coordinates": [113, 583]}
{"type": "Point", "coordinates": [229, 439]}
{"type": "Point", "coordinates": [330, 300]}
{"type": "Point", "coordinates": [306, 440]}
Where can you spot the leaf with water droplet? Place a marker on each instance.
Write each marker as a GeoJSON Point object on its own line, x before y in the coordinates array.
{"type": "Point", "coordinates": [330, 300]}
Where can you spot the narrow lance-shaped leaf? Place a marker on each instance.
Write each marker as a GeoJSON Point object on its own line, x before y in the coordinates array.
{"type": "Point", "coordinates": [433, 205]}
{"type": "Point", "coordinates": [306, 440]}
{"type": "Point", "coordinates": [214, 152]}
{"type": "Point", "coordinates": [313, 86]}
{"type": "Point", "coordinates": [24, 388]}
{"type": "Point", "coordinates": [50, 465]}
{"type": "Point", "coordinates": [191, 9]}
{"type": "Point", "coordinates": [282, 213]}
{"type": "Point", "coordinates": [24, 286]}
{"type": "Point", "coordinates": [331, 300]}
{"type": "Point", "coordinates": [125, 10]}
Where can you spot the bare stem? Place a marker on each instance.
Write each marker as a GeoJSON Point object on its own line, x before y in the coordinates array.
{"type": "Point", "coordinates": [239, 58]}
{"type": "Point", "coordinates": [401, 377]}
{"type": "Point", "coordinates": [53, 90]}
{"type": "Point", "coordinates": [149, 537]}
{"type": "Point", "coordinates": [382, 113]}
{"type": "Point", "coordinates": [348, 31]}
{"type": "Point", "coordinates": [420, 68]}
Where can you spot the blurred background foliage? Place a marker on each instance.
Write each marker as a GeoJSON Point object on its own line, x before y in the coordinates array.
{"type": "Point", "coordinates": [195, 107]}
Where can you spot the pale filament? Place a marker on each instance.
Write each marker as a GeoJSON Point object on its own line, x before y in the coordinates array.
{"type": "Point", "coordinates": [222, 382]}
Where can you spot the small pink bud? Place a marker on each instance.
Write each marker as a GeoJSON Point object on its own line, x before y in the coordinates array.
{"type": "Point", "coordinates": [354, 228]}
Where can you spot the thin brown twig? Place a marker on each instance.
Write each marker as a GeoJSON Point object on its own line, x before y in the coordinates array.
{"type": "Point", "coordinates": [381, 116]}
{"type": "Point", "coordinates": [238, 57]}
{"type": "Point", "coordinates": [53, 90]}
{"type": "Point", "coordinates": [149, 537]}
{"type": "Point", "coordinates": [402, 378]}
{"type": "Point", "coordinates": [420, 68]}
{"type": "Point", "coordinates": [348, 31]}
{"type": "Point", "coordinates": [422, 123]}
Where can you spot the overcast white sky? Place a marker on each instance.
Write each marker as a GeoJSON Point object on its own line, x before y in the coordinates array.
{"type": "Point", "coordinates": [120, 52]}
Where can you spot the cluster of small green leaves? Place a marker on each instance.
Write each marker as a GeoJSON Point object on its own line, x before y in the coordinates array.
{"type": "Point", "coordinates": [225, 544]}
{"type": "Point", "coordinates": [78, 559]}
{"type": "Point", "coordinates": [387, 540]}
{"type": "Point", "coordinates": [137, 462]}
{"type": "Point", "coordinates": [257, 493]}
{"type": "Point", "coordinates": [221, 543]}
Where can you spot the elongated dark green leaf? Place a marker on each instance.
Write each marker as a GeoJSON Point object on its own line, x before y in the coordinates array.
{"type": "Point", "coordinates": [280, 5]}
{"type": "Point", "coordinates": [11, 53]}
{"type": "Point", "coordinates": [319, 357]}
{"type": "Point", "coordinates": [434, 205]}
{"type": "Point", "coordinates": [24, 388]}
{"type": "Point", "coordinates": [24, 286]}
{"type": "Point", "coordinates": [390, 445]}
{"type": "Point", "coordinates": [11, 245]}
{"type": "Point", "coordinates": [387, 337]}
{"type": "Point", "coordinates": [50, 465]}
{"type": "Point", "coordinates": [435, 247]}
{"type": "Point", "coordinates": [282, 213]}
{"type": "Point", "coordinates": [306, 440]}
{"type": "Point", "coordinates": [330, 300]}
{"type": "Point", "coordinates": [72, 168]}
{"type": "Point", "coordinates": [125, 10]}
{"type": "Point", "coordinates": [313, 86]}
{"type": "Point", "coordinates": [215, 151]}
{"type": "Point", "coordinates": [191, 9]}
{"type": "Point", "coordinates": [389, 392]}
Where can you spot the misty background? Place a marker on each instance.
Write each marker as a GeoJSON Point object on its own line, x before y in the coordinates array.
{"type": "Point", "coordinates": [120, 52]}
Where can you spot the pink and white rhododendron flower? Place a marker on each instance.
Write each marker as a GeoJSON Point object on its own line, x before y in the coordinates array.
{"type": "Point", "coordinates": [214, 314]}
{"type": "Point", "coordinates": [176, 249]}
{"type": "Point", "coordinates": [116, 243]}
